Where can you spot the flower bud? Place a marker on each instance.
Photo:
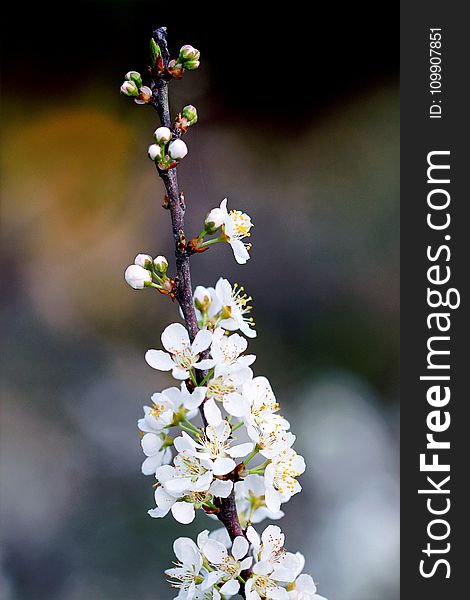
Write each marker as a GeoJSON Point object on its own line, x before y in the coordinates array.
{"type": "Point", "coordinates": [143, 260]}
{"type": "Point", "coordinates": [214, 220]}
{"type": "Point", "coordinates": [191, 65]}
{"type": "Point", "coordinates": [161, 264]}
{"type": "Point", "coordinates": [202, 298]}
{"type": "Point", "coordinates": [177, 149]}
{"type": "Point", "coordinates": [156, 56]}
{"type": "Point", "coordinates": [137, 277]}
{"type": "Point", "coordinates": [135, 77]}
{"type": "Point", "coordinates": [145, 95]}
{"type": "Point", "coordinates": [129, 88]}
{"type": "Point", "coordinates": [175, 69]}
{"type": "Point", "coordinates": [188, 52]}
{"type": "Point", "coordinates": [189, 112]}
{"type": "Point", "coordinates": [154, 151]}
{"type": "Point", "coordinates": [163, 135]}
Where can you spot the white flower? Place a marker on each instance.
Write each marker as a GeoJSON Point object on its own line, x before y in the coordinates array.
{"type": "Point", "coordinates": [165, 404]}
{"type": "Point", "coordinates": [304, 588]}
{"type": "Point", "coordinates": [162, 135]}
{"type": "Point", "coordinates": [279, 478]}
{"type": "Point", "coordinates": [226, 351]}
{"type": "Point", "coordinates": [227, 566]}
{"type": "Point", "coordinates": [177, 149]}
{"type": "Point", "coordinates": [137, 277]}
{"type": "Point", "coordinates": [186, 571]}
{"type": "Point", "coordinates": [261, 585]}
{"type": "Point", "coordinates": [154, 151]}
{"type": "Point", "coordinates": [235, 305]}
{"type": "Point", "coordinates": [236, 226]}
{"type": "Point", "coordinates": [249, 497]}
{"type": "Point", "coordinates": [143, 260]}
{"type": "Point", "coordinates": [157, 454]}
{"type": "Point", "coordinates": [182, 355]}
{"type": "Point", "coordinates": [263, 408]}
{"type": "Point", "coordinates": [272, 557]}
{"type": "Point", "coordinates": [215, 219]}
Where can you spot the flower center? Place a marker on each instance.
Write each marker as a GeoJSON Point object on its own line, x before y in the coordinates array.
{"type": "Point", "coordinates": [241, 223]}
{"type": "Point", "coordinates": [217, 389]}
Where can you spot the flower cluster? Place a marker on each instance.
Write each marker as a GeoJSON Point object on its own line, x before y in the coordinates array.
{"type": "Point", "coordinates": [149, 272]}
{"type": "Point", "coordinates": [133, 88]}
{"type": "Point", "coordinates": [200, 436]}
{"type": "Point", "coordinates": [209, 568]}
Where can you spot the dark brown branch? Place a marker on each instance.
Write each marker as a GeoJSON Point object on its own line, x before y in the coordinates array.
{"type": "Point", "coordinates": [183, 293]}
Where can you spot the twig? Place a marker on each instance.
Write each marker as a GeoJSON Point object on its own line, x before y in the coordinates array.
{"type": "Point", "coordinates": [183, 293]}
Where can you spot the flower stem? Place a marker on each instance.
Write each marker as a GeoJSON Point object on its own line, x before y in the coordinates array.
{"type": "Point", "coordinates": [252, 455]}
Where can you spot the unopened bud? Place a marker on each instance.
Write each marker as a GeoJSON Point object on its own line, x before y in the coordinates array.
{"type": "Point", "coordinates": [191, 65]}
{"type": "Point", "coordinates": [161, 264]}
{"type": "Point", "coordinates": [214, 220]}
{"type": "Point", "coordinates": [135, 77]}
{"type": "Point", "coordinates": [154, 151]}
{"type": "Point", "coordinates": [129, 88]}
{"type": "Point", "coordinates": [156, 54]}
{"type": "Point", "coordinates": [145, 95]}
{"type": "Point", "coordinates": [137, 277]}
{"type": "Point", "coordinates": [143, 260]}
{"type": "Point", "coordinates": [175, 69]}
{"type": "Point", "coordinates": [177, 149]}
{"type": "Point", "coordinates": [163, 135]}
{"type": "Point", "coordinates": [188, 52]}
{"type": "Point", "coordinates": [202, 298]}
{"type": "Point", "coordinates": [190, 113]}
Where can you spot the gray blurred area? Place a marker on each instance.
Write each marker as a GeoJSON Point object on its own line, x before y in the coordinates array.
{"type": "Point", "coordinates": [80, 199]}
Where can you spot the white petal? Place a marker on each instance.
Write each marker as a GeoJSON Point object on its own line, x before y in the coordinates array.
{"type": "Point", "coordinates": [236, 405]}
{"type": "Point", "coordinates": [160, 360]}
{"type": "Point", "coordinates": [183, 512]}
{"type": "Point", "coordinates": [151, 444]}
{"type": "Point", "coordinates": [184, 443]}
{"type": "Point", "coordinates": [240, 547]}
{"type": "Point", "coordinates": [163, 500]}
{"type": "Point", "coordinates": [222, 466]}
{"type": "Point", "coordinates": [185, 550]}
{"type": "Point", "coordinates": [202, 341]}
{"type": "Point", "coordinates": [221, 488]}
{"type": "Point", "coordinates": [164, 473]}
{"type": "Point", "coordinates": [195, 399]}
{"type": "Point", "coordinates": [246, 563]}
{"type": "Point", "coordinates": [215, 552]}
{"type": "Point", "coordinates": [253, 536]}
{"type": "Point", "coordinates": [239, 251]}
{"type": "Point", "coordinates": [205, 364]}
{"type": "Point", "coordinates": [179, 373]}
{"type": "Point", "coordinates": [212, 412]}
{"type": "Point", "coordinates": [175, 337]}
{"type": "Point", "coordinates": [241, 450]}
{"type": "Point", "coordinates": [230, 588]}
{"type": "Point", "coordinates": [263, 567]}
{"type": "Point", "coordinates": [272, 499]}
{"type": "Point", "coordinates": [178, 485]}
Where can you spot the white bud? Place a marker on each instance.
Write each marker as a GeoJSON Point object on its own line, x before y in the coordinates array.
{"type": "Point", "coordinates": [154, 151]}
{"type": "Point", "coordinates": [129, 88]}
{"type": "Point", "coordinates": [202, 298]}
{"type": "Point", "coordinates": [143, 260]}
{"type": "Point", "coordinates": [161, 264]}
{"type": "Point", "coordinates": [162, 135]}
{"type": "Point", "coordinates": [177, 149]}
{"type": "Point", "coordinates": [137, 277]}
{"type": "Point", "coordinates": [215, 219]}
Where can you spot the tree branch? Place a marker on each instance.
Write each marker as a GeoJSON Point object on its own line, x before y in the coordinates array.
{"type": "Point", "coordinates": [183, 292]}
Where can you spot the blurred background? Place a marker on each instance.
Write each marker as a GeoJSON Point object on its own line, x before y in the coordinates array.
{"type": "Point", "coordinates": [298, 126]}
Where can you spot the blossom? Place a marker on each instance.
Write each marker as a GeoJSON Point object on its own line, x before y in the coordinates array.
{"type": "Point", "coordinates": [161, 264]}
{"type": "Point", "coordinates": [249, 498]}
{"type": "Point", "coordinates": [226, 351]}
{"type": "Point", "coordinates": [137, 277]}
{"type": "Point", "coordinates": [166, 403]}
{"type": "Point", "coordinates": [280, 478]}
{"type": "Point", "coordinates": [304, 588]}
{"type": "Point", "coordinates": [154, 151]}
{"type": "Point", "coordinates": [185, 574]}
{"type": "Point", "coordinates": [145, 95]}
{"type": "Point", "coordinates": [202, 298]}
{"type": "Point", "coordinates": [177, 149]}
{"type": "Point", "coordinates": [182, 356]}
{"type": "Point", "coordinates": [263, 409]}
{"type": "Point", "coordinates": [227, 566]}
{"type": "Point", "coordinates": [235, 307]}
{"type": "Point", "coordinates": [236, 226]}
{"type": "Point", "coordinates": [157, 453]}
{"type": "Point", "coordinates": [225, 389]}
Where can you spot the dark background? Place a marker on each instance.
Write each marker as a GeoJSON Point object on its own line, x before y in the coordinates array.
{"type": "Point", "coordinates": [299, 127]}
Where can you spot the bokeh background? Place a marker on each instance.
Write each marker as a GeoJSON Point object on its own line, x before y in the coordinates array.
{"type": "Point", "coordinates": [299, 127]}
